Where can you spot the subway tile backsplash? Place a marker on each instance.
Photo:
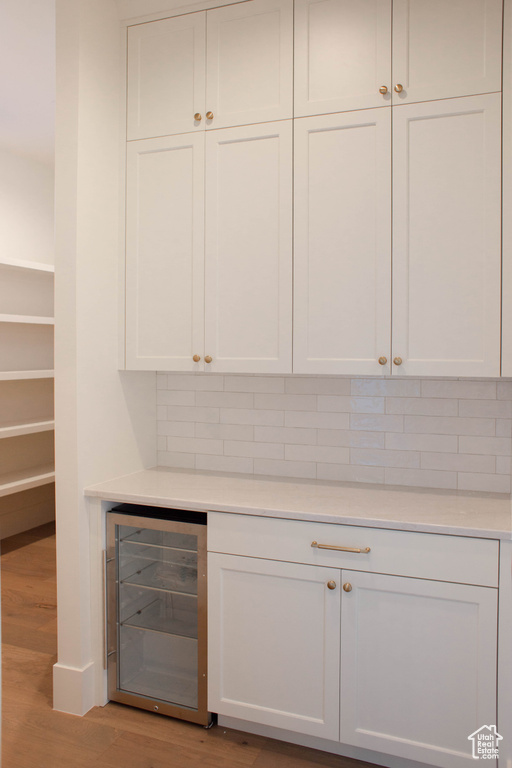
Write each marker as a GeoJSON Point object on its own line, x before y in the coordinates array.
{"type": "Point", "coordinates": [432, 433]}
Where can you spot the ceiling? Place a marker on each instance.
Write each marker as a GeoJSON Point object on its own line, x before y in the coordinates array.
{"type": "Point", "coordinates": [27, 84]}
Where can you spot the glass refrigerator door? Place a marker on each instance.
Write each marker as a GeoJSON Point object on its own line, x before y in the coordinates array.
{"type": "Point", "coordinates": [157, 611]}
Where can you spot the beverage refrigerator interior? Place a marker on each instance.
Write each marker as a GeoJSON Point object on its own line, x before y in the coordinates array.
{"type": "Point", "coordinates": [156, 610]}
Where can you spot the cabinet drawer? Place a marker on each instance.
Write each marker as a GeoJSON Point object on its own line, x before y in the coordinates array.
{"type": "Point", "coordinates": [421, 555]}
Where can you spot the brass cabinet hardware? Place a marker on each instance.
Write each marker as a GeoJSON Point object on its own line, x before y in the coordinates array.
{"type": "Point", "coordinates": [347, 586]}
{"type": "Point", "coordinates": [196, 358]}
{"type": "Point", "coordinates": [341, 549]}
{"type": "Point", "coordinates": [198, 117]}
{"type": "Point", "coordinates": [383, 360]}
{"type": "Point", "coordinates": [399, 87]}
{"type": "Point", "coordinates": [208, 359]}
{"type": "Point", "coordinates": [397, 360]}
{"type": "Point", "coordinates": [331, 585]}
{"type": "Point", "coordinates": [383, 89]}
{"type": "Point", "coordinates": [209, 115]}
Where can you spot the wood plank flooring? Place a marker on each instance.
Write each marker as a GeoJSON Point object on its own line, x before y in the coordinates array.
{"type": "Point", "coordinates": [34, 736]}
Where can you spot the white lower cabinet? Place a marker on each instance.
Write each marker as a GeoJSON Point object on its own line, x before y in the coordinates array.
{"type": "Point", "coordinates": [274, 634]}
{"type": "Point", "coordinates": [418, 666]}
{"type": "Point", "coordinates": [399, 665]}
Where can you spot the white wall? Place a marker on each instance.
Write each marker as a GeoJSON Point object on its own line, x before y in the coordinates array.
{"type": "Point", "coordinates": [27, 85]}
{"type": "Point", "coordinates": [105, 420]}
{"type": "Point", "coordinates": [27, 96]}
{"type": "Point", "coordinates": [26, 205]}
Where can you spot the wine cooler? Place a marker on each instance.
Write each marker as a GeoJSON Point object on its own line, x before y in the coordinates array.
{"type": "Point", "coordinates": [156, 610]}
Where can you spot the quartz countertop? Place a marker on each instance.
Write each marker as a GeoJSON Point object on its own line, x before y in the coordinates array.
{"type": "Point", "coordinates": [413, 509]}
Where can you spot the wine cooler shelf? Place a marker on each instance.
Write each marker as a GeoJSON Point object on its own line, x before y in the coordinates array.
{"type": "Point", "coordinates": [168, 612]}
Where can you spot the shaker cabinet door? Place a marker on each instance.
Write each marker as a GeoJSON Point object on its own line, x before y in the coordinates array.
{"type": "Point", "coordinates": [273, 643]}
{"type": "Point", "coordinates": [342, 55]}
{"type": "Point", "coordinates": [166, 76]}
{"type": "Point", "coordinates": [342, 261]}
{"type": "Point", "coordinates": [164, 253]}
{"type": "Point", "coordinates": [445, 48]}
{"type": "Point", "coordinates": [249, 63]}
{"type": "Point", "coordinates": [447, 237]}
{"type": "Point", "coordinates": [248, 242]}
{"type": "Point", "coordinates": [418, 666]}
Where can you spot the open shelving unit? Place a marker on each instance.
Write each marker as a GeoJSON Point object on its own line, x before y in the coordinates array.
{"type": "Point", "coordinates": [27, 469]}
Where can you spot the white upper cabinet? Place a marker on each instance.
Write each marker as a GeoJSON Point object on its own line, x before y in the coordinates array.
{"type": "Point", "coordinates": [447, 237]}
{"type": "Point", "coordinates": [166, 76]}
{"type": "Point", "coordinates": [441, 49]}
{"type": "Point", "coordinates": [249, 63]}
{"type": "Point", "coordinates": [342, 260]}
{"type": "Point", "coordinates": [164, 253]}
{"type": "Point", "coordinates": [394, 188]}
{"type": "Point", "coordinates": [211, 69]}
{"type": "Point", "coordinates": [248, 256]}
{"type": "Point", "coordinates": [342, 55]}
{"type": "Point", "coordinates": [444, 48]}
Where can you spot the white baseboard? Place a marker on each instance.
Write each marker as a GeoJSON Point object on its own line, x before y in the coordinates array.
{"type": "Point", "coordinates": [73, 688]}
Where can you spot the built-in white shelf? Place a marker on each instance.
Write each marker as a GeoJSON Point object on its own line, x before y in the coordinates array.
{"type": "Point", "coordinates": [26, 428]}
{"type": "Point", "coordinates": [18, 375]}
{"type": "Point", "coordinates": [31, 319]}
{"type": "Point", "coordinates": [26, 393]}
{"type": "Point", "coordinates": [14, 482]}
{"type": "Point", "coordinates": [36, 266]}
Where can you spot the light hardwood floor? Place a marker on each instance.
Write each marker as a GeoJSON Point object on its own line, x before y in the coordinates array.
{"type": "Point", "coordinates": [34, 736]}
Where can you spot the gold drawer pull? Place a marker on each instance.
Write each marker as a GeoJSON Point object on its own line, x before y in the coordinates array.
{"type": "Point", "coordinates": [341, 549]}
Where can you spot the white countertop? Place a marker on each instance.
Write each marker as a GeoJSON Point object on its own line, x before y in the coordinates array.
{"type": "Point", "coordinates": [413, 509]}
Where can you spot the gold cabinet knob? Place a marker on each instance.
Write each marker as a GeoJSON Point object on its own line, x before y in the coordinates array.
{"type": "Point", "coordinates": [347, 586]}
{"type": "Point", "coordinates": [208, 359]}
{"type": "Point", "coordinates": [397, 360]}
{"type": "Point", "coordinates": [209, 115]}
{"type": "Point", "coordinates": [198, 117]}
{"type": "Point", "coordinates": [331, 585]}
{"type": "Point", "coordinates": [399, 87]}
{"type": "Point", "coordinates": [196, 358]}
{"type": "Point", "coordinates": [383, 89]}
{"type": "Point", "coordinates": [383, 360]}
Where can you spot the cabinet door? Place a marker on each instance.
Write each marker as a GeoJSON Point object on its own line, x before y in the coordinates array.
{"type": "Point", "coordinates": [248, 261]}
{"type": "Point", "coordinates": [273, 644]}
{"type": "Point", "coordinates": [250, 63]}
{"type": "Point", "coordinates": [418, 666]}
{"type": "Point", "coordinates": [342, 55]}
{"type": "Point", "coordinates": [444, 48]}
{"type": "Point", "coordinates": [342, 261]}
{"type": "Point", "coordinates": [166, 76]}
{"type": "Point", "coordinates": [447, 237]}
{"type": "Point", "coordinates": [164, 253]}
